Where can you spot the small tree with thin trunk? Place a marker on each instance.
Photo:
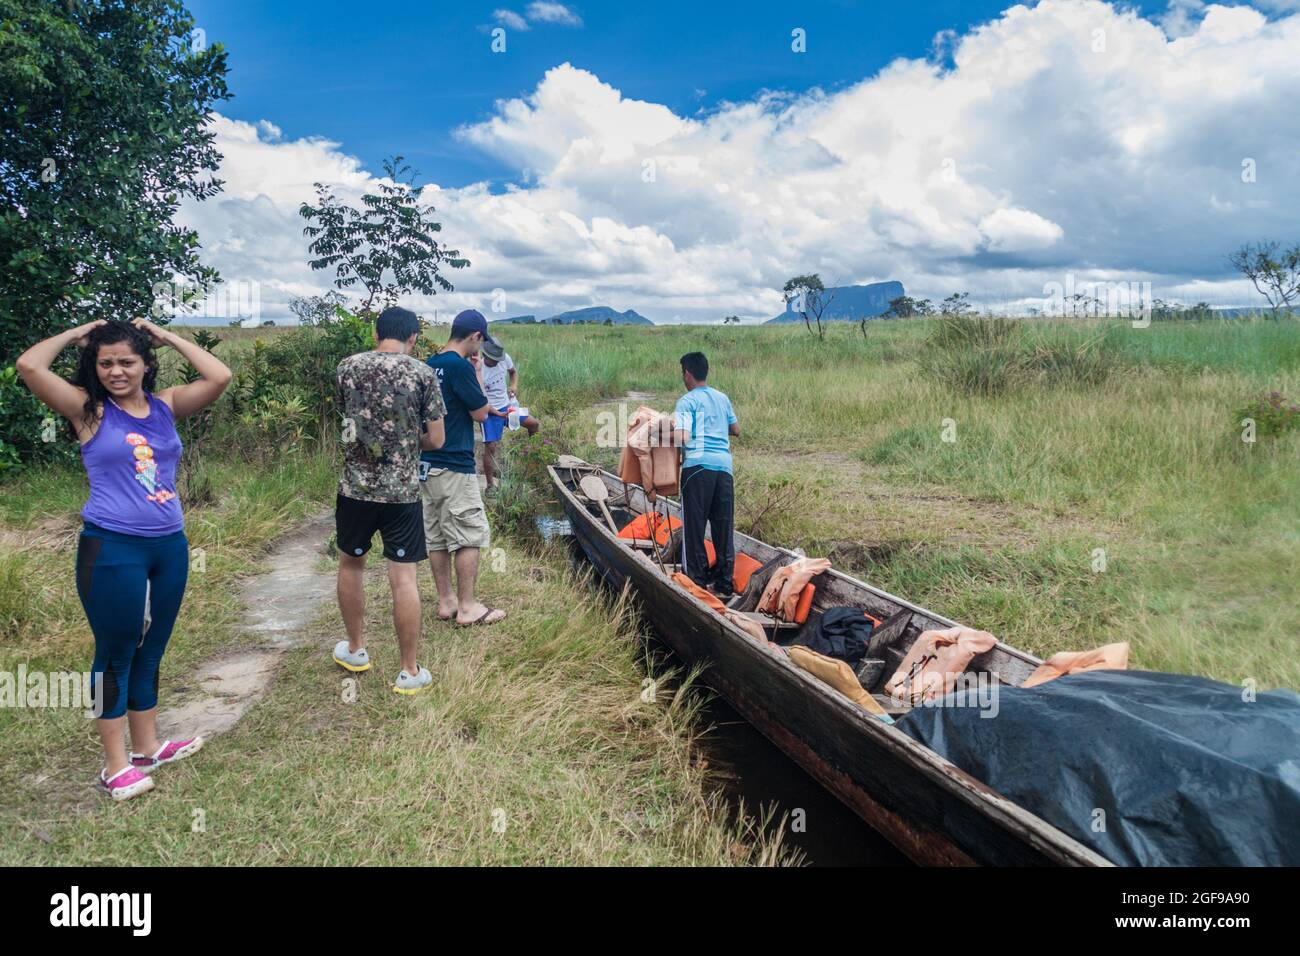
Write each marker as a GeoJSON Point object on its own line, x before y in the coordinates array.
{"type": "Point", "coordinates": [808, 296]}
{"type": "Point", "coordinates": [956, 304]}
{"type": "Point", "coordinates": [389, 246]}
{"type": "Point", "coordinates": [1273, 271]}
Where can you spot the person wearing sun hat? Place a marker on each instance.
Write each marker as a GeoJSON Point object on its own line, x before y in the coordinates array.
{"type": "Point", "coordinates": [500, 379]}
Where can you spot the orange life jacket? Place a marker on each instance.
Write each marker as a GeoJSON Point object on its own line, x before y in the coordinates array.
{"type": "Point", "coordinates": [704, 595]}
{"type": "Point", "coordinates": [1107, 657]}
{"type": "Point", "coordinates": [744, 570]}
{"type": "Point", "coordinates": [789, 594]}
{"type": "Point", "coordinates": [935, 661]}
{"type": "Point", "coordinates": [657, 527]}
{"type": "Point", "coordinates": [649, 458]}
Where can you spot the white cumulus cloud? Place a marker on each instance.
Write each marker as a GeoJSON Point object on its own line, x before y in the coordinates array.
{"type": "Point", "coordinates": [553, 13]}
{"type": "Point", "coordinates": [1032, 154]}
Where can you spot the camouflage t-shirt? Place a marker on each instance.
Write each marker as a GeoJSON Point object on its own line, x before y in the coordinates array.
{"type": "Point", "coordinates": [384, 399]}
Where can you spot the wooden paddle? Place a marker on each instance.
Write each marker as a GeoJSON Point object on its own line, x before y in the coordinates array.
{"type": "Point", "coordinates": [595, 490]}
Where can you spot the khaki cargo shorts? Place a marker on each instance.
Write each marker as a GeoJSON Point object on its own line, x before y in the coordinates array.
{"type": "Point", "coordinates": [454, 516]}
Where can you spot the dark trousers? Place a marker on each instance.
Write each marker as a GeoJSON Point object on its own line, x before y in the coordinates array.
{"type": "Point", "coordinates": [707, 496]}
{"type": "Point", "coordinates": [120, 579]}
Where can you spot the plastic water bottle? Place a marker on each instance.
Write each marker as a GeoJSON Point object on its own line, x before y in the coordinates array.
{"type": "Point", "coordinates": [513, 419]}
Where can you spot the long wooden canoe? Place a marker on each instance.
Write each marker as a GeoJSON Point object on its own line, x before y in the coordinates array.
{"type": "Point", "coordinates": [930, 809]}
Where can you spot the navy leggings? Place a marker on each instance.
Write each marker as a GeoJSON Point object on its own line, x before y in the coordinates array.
{"type": "Point", "coordinates": [121, 578]}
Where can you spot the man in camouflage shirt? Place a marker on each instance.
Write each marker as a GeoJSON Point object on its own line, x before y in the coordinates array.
{"type": "Point", "coordinates": [391, 409]}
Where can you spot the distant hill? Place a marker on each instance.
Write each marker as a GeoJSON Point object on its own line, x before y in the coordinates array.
{"type": "Point", "coordinates": [595, 314]}
{"type": "Point", "coordinates": [516, 320]}
{"type": "Point", "coordinates": [849, 303]}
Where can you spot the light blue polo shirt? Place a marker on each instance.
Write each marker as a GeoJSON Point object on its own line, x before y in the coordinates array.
{"type": "Point", "coordinates": [705, 414]}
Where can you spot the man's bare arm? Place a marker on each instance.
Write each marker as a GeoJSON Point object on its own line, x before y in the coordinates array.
{"type": "Point", "coordinates": [433, 436]}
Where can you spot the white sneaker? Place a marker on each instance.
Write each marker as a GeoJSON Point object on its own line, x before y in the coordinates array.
{"type": "Point", "coordinates": [354, 661]}
{"type": "Point", "coordinates": [406, 684]}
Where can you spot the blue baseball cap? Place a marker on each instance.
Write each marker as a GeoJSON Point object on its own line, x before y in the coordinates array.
{"type": "Point", "coordinates": [471, 320]}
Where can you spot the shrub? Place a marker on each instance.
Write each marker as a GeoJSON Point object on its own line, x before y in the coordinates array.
{"type": "Point", "coordinates": [274, 424]}
{"type": "Point", "coordinates": [974, 354]}
{"type": "Point", "coordinates": [299, 364]}
{"type": "Point", "coordinates": [973, 332]}
{"type": "Point", "coordinates": [1086, 363]}
{"type": "Point", "coordinates": [1272, 413]}
{"type": "Point", "coordinates": [989, 355]}
{"type": "Point", "coordinates": [29, 432]}
{"type": "Point", "coordinates": [523, 481]}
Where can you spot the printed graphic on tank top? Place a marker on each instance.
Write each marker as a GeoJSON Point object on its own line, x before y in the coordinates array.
{"type": "Point", "coordinates": [131, 465]}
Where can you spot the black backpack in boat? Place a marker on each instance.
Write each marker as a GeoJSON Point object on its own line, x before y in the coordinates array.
{"type": "Point", "coordinates": [841, 632]}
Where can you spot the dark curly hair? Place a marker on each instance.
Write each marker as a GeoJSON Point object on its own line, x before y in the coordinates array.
{"type": "Point", "coordinates": [87, 376]}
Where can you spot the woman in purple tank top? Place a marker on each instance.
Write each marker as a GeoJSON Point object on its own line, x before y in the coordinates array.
{"type": "Point", "coordinates": [132, 556]}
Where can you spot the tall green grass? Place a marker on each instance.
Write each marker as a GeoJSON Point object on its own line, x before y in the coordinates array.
{"type": "Point", "coordinates": [1102, 439]}
{"type": "Point", "coordinates": [1095, 435]}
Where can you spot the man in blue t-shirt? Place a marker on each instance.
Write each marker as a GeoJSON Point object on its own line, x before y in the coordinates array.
{"type": "Point", "coordinates": [705, 425]}
{"type": "Point", "coordinates": [455, 522]}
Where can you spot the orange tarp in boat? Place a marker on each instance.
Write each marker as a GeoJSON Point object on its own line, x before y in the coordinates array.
{"type": "Point", "coordinates": [703, 594]}
{"type": "Point", "coordinates": [752, 628]}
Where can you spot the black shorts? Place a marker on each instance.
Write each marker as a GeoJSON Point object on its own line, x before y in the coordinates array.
{"type": "Point", "coordinates": [401, 525]}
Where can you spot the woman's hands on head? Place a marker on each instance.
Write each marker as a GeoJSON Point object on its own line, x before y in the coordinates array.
{"type": "Point", "coordinates": [156, 335]}
{"type": "Point", "coordinates": [81, 334]}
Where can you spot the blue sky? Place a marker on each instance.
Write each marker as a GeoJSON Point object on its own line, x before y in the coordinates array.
{"type": "Point", "coordinates": [682, 160]}
{"type": "Point", "coordinates": [399, 77]}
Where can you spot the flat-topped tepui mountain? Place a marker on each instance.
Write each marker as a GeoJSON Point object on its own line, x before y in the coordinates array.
{"type": "Point", "coordinates": [595, 314]}
{"type": "Point", "coordinates": [849, 303]}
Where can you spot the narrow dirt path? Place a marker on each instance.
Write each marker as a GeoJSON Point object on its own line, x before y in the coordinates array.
{"type": "Point", "coordinates": [279, 605]}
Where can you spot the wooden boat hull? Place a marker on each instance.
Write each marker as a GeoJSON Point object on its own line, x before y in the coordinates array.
{"type": "Point", "coordinates": [931, 810]}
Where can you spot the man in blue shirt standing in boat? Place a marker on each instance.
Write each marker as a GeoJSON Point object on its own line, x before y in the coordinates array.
{"type": "Point", "coordinates": [705, 425]}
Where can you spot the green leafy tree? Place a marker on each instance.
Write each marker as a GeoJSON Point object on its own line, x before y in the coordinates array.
{"type": "Point", "coordinates": [731, 320]}
{"type": "Point", "coordinates": [906, 307]}
{"type": "Point", "coordinates": [807, 295]}
{"type": "Point", "coordinates": [317, 309]}
{"type": "Point", "coordinates": [389, 247]}
{"type": "Point", "coordinates": [1272, 270]}
{"type": "Point", "coordinates": [1162, 311]}
{"type": "Point", "coordinates": [104, 130]}
{"type": "Point", "coordinates": [956, 304]}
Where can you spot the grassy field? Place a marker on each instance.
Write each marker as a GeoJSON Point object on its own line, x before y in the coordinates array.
{"type": "Point", "coordinates": [1064, 485]}
{"type": "Point", "coordinates": [535, 745]}
{"type": "Point", "coordinates": [1116, 439]}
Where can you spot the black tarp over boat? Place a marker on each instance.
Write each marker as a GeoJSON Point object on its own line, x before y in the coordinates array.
{"type": "Point", "coordinates": [1187, 771]}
